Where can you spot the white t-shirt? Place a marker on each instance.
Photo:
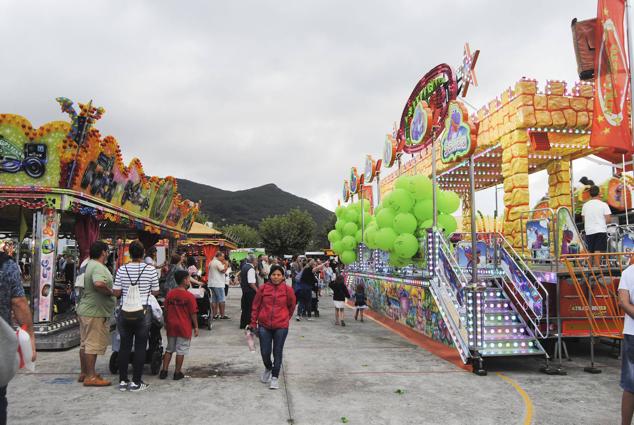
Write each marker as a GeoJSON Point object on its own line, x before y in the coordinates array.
{"type": "Point", "coordinates": [627, 283]}
{"type": "Point", "coordinates": [227, 276]}
{"type": "Point", "coordinates": [145, 276]}
{"type": "Point", "coordinates": [216, 274]}
{"type": "Point", "coordinates": [594, 212]}
{"type": "Point", "coordinates": [251, 276]}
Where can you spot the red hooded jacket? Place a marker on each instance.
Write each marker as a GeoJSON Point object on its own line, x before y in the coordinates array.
{"type": "Point", "coordinates": [273, 306]}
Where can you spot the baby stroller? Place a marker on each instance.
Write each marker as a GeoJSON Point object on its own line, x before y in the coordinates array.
{"type": "Point", "coordinates": [154, 351]}
{"type": "Point", "coordinates": [204, 305]}
{"type": "Point", "coordinates": [314, 304]}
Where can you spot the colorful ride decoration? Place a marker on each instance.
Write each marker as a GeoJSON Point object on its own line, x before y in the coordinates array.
{"type": "Point", "coordinates": [458, 139]}
{"type": "Point", "coordinates": [372, 169]}
{"type": "Point", "coordinates": [611, 192]}
{"type": "Point", "coordinates": [390, 150]}
{"type": "Point", "coordinates": [401, 218]}
{"type": "Point", "coordinates": [73, 158]}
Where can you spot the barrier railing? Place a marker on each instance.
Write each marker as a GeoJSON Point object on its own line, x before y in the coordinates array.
{"type": "Point", "coordinates": [595, 278]}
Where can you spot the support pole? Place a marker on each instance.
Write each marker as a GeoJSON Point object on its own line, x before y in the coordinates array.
{"type": "Point", "coordinates": [433, 179]}
{"type": "Point", "coordinates": [628, 16]}
{"type": "Point", "coordinates": [627, 219]}
{"type": "Point", "coordinates": [474, 242]}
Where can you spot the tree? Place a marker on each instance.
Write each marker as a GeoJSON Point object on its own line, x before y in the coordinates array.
{"type": "Point", "coordinates": [201, 218]}
{"type": "Point", "coordinates": [321, 236]}
{"type": "Point", "coordinates": [246, 236]}
{"type": "Point", "coordinates": [287, 234]}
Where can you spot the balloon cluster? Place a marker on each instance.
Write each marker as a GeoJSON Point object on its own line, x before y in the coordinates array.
{"type": "Point", "coordinates": [403, 216]}
{"type": "Point", "coordinates": [347, 232]}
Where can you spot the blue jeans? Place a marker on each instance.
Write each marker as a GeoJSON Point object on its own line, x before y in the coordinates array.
{"type": "Point", "coordinates": [137, 333]}
{"type": "Point", "coordinates": [304, 300]}
{"type": "Point", "coordinates": [272, 338]}
{"type": "Point", "coordinates": [3, 405]}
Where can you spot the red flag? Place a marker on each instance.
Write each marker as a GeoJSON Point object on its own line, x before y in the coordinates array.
{"type": "Point", "coordinates": [610, 123]}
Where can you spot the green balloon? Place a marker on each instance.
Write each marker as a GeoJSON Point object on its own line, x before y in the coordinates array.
{"type": "Point", "coordinates": [385, 218]}
{"type": "Point", "coordinates": [396, 261]}
{"type": "Point", "coordinates": [405, 223]}
{"type": "Point", "coordinates": [372, 224]}
{"type": "Point", "coordinates": [366, 205]}
{"type": "Point", "coordinates": [337, 247]}
{"type": "Point", "coordinates": [420, 187]}
{"type": "Point", "coordinates": [370, 237]}
{"type": "Point", "coordinates": [427, 224]}
{"type": "Point", "coordinates": [401, 201]}
{"type": "Point", "coordinates": [452, 202]}
{"type": "Point", "coordinates": [334, 236]}
{"type": "Point", "coordinates": [339, 211]}
{"type": "Point", "coordinates": [350, 228]}
{"type": "Point", "coordinates": [424, 210]}
{"type": "Point", "coordinates": [339, 225]}
{"type": "Point", "coordinates": [351, 215]}
{"type": "Point", "coordinates": [378, 209]}
{"type": "Point", "coordinates": [348, 257]}
{"type": "Point", "coordinates": [406, 245]}
{"type": "Point", "coordinates": [348, 243]}
{"type": "Point", "coordinates": [446, 202]}
{"type": "Point", "coordinates": [358, 236]}
{"type": "Point", "coordinates": [385, 238]}
{"type": "Point", "coordinates": [448, 223]}
{"type": "Point", "coordinates": [402, 182]}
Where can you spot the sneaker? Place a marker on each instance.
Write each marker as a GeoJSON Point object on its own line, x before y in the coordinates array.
{"type": "Point", "coordinates": [123, 386]}
{"type": "Point", "coordinates": [163, 374]}
{"type": "Point", "coordinates": [216, 317]}
{"type": "Point", "coordinates": [309, 319]}
{"type": "Point", "coordinates": [225, 317]}
{"type": "Point", "coordinates": [135, 388]}
{"type": "Point", "coordinates": [274, 384]}
{"type": "Point", "coordinates": [81, 378]}
{"type": "Point", "coordinates": [298, 319]}
{"type": "Point", "coordinates": [178, 376]}
{"type": "Point", "coordinates": [266, 376]}
{"type": "Point", "coordinates": [343, 323]}
{"type": "Point", "coordinates": [96, 381]}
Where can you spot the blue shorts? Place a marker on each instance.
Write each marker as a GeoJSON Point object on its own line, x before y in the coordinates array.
{"type": "Point", "coordinates": [627, 363]}
{"type": "Point", "coordinates": [217, 295]}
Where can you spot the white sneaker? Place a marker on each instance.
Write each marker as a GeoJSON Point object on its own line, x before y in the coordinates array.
{"type": "Point", "coordinates": [123, 386]}
{"type": "Point", "coordinates": [138, 387]}
{"type": "Point", "coordinates": [266, 376]}
{"type": "Point", "coordinates": [274, 384]}
{"type": "Point", "coordinates": [309, 319]}
{"type": "Point", "coordinates": [298, 319]}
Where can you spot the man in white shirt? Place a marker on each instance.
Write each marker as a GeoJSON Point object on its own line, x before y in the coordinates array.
{"type": "Point", "coordinates": [626, 300]}
{"type": "Point", "coordinates": [596, 214]}
{"type": "Point", "coordinates": [216, 282]}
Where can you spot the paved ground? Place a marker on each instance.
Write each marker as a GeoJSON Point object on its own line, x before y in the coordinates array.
{"type": "Point", "coordinates": [362, 374]}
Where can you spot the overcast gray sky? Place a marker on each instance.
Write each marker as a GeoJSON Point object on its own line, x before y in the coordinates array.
{"type": "Point", "coordinates": [237, 94]}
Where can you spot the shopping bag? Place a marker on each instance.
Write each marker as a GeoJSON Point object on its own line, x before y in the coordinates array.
{"type": "Point", "coordinates": [8, 348]}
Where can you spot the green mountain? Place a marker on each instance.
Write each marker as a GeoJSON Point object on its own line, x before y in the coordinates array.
{"type": "Point", "coordinates": [248, 206]}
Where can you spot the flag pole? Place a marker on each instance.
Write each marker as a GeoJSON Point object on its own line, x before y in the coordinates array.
{"type": "Point", "coordinates": [628, 16]}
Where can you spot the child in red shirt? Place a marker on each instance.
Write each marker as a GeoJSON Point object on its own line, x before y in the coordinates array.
{"type": "Point", "coordinates": [180, 316]}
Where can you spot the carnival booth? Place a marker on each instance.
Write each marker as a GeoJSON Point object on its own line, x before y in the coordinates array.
{"type": "Point", "coordinates": [500, 293]}
{"type": "Point", "coordinates": [64, 184]}
{"type": "Point", "coordinates": [203, 241]}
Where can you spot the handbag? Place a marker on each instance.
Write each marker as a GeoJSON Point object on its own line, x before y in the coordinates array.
{"type": "Point", "coordinates": [132, 310]}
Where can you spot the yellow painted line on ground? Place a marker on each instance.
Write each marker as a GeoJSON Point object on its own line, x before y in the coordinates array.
{"type": "Point", "coordinates": [528, 404]}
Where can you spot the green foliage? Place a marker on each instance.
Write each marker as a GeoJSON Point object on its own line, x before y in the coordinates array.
{"type": "Point", "coordinates": [287, 234]}
{"type": "Point", "coordinates": [201, 218]}
{"type": "Point", "coordinates": [246, 236]}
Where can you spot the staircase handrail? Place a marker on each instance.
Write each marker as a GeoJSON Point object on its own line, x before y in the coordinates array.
{"type": "Point", "coordinates": [539, 288]}
{"type": "Point", "coordinates": [462, 278]}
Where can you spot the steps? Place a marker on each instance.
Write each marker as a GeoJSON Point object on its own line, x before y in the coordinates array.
{"type": "Point", "coordinates": [505, 333]}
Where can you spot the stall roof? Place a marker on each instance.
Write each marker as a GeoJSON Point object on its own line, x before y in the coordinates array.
{"type": "Point", "coordinates": [198, 229]}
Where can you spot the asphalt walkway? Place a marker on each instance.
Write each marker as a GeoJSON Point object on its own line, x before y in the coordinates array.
{"type": "Point", "coordinates": [359, 374]}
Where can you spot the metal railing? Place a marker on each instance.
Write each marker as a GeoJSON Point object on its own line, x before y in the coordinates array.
{"type": "Point", "coordinates": [595, 278]}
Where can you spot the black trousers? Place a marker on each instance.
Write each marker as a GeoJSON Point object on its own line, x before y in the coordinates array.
{"type": "Point", "coordinates": [3, 405]}
{"type": "Point", "coordinates": [138, 333]}
{"type": "Point", "coordinates": [245, 303]}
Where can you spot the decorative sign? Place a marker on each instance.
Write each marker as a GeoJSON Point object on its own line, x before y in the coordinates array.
{"type": "Point", "coordinates": [354, 180]}
{"type": "Point", "coordinates": [538, 237]}
{"type": "Point", "coordinates": [48, 225]}
{"type": "Point", "coordinates": [389, 150]}
{"type": "Point", "coordinates": [426, 107]}
{"type": "Point", "coordinates": [456, 142]}
{"type": "Point", "coordinates": [466, 72]}
{"type": "Point", "coordinates": [346, 191]}
{"type": "Point", "coordinates": [42, 158]}
{"type": "Point", "coordinates": [370, 169]}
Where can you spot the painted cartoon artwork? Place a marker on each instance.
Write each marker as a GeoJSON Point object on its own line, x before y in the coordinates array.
{"type": "Point", "coordinates": [456, 140]}
{"type": "Point", "coordinates": [465, 256]}
{"type": "Point", "coordinates": [569, 239]}
{"type": "Point", "coordinates": [450, 276]}
{"type": "Point", "coordinates": [409, 305]}
{"type": "Point", "coordinates": [521, 284]}
{"type": "Point", "coordinates": [538, 238]}
{"type": "Point", "coordinates": [628, 242]}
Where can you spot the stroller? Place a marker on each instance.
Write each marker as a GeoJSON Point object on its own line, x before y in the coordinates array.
{"type": "Point", "coordinates": [204, 308]}
{"type": "Point", "coordinates": [154, 351]}
{"type": "Point", "coordinates": [314, 303]}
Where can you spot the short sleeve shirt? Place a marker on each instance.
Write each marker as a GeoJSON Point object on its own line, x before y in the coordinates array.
{"type": "Point", "coordinates": [10, 287]}
{"type": "Point", "coordinates": [594, 212]}
{"type": "Point", "coordinates": [145, 276]}
{"type": "Point", "coordinates": [180, 305]}
{"type": "Point", "coordinates": [216, 274]}
{"type": "Point", "coordinates": [93, 303]}
{"type": "Point", "coordinates": [627, 283]}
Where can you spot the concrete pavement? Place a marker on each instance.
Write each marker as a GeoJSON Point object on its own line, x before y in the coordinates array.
{"type": "Point", "coordinates": [359, 374]}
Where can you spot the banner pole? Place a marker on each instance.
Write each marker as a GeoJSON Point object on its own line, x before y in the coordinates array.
{"type": "Point", "coordinates": [628, 22]}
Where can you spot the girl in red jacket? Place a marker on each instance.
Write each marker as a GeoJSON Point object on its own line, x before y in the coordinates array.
{"type": "Point", "coordinates": [272, 309]}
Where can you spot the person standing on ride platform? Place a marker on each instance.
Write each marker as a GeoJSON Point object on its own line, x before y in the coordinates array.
{"type": "Point", "coordinates": [248, 283]}
{"type": "Point", "coordinates": [273, 308]}
{"type": "Point", "coordinates": [626, 300]}
{"type": "Point", "coordinates": [596, 214]}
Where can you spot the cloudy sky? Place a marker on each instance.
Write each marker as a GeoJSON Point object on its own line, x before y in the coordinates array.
{"type": "Point", "coordinates": [236, 94]}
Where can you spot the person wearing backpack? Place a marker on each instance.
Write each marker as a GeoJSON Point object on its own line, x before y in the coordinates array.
{"type": "Point", "coordinates": [273, 308]}
{"type": "Point", "coordinates": [133, 285]}
{"type": "Point", "coordinates": [94, 311]}
{"type": "Point", "coordinates": [176, 261]}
